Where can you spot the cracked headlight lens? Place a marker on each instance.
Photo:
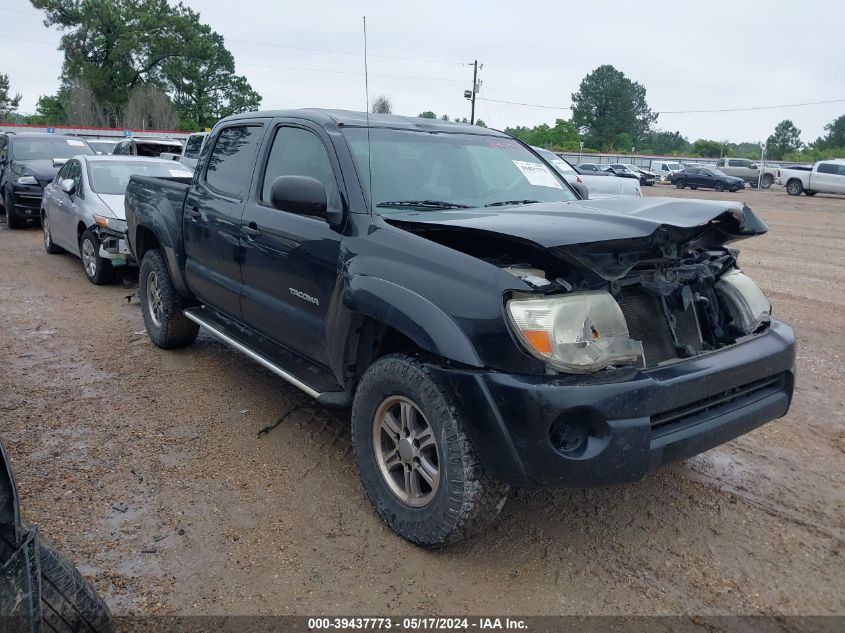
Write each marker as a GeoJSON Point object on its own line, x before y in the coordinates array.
{"type": "Point", "coordinates": [577, 333]}
{"type": "Point", "coordinates": [748, 306]}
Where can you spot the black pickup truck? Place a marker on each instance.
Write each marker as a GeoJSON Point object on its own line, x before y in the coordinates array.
{"type": "Point", "coordinates": [489, 325]}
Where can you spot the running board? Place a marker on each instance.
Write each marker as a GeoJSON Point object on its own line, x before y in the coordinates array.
{"type": "Point", "coordinates": [196, 315]}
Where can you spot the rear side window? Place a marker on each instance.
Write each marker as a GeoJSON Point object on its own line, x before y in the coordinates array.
{"type": "Point", "coordinates": [832, 168]}
{"type": "Point", "coordinates": [298, 152]}
{"type": "Point", "coordinates": [231, 161]}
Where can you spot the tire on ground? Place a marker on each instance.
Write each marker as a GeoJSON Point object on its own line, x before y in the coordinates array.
{"type": "Point", "coordinates": [466, 498]}
{"type": "Point", "coordinates": [69, 604]}
{"type": "Point", "coordinates": [174, 329]}
{"type": "Point", "coordinates": [13, 219]}
{"type": "Point", "coordinates": [104, 272]}
{"type": "Point", "coordinates": [49, 245]}
{"type": "Point", "coordinates": [794, 188]}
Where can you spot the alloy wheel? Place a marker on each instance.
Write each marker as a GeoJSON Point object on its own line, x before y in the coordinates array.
{"type": "Point", "coordinates": [154, 301]}
{"type": "Point", "coordinates": [89, 258]}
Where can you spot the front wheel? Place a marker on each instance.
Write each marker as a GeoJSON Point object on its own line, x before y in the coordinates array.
{"type": "Point", "coordinates": [98, 270]}
{"type": "Point", "coordinates": [415, 459]}
{"type": "Point", "coordinates": [162, 306]}
{"type": "Point", "coordinates": [680, 184]}
{"type": "Point", "coordinates": [794, 188]}
{"type": "Point", "coordinates": [13, 218]}
{"type": "Point", "coordinates": [720, 186]}
{"type": "Point", "coordinates": [768, 181]}
{"type": "Point", "coordinates": [810, 193]}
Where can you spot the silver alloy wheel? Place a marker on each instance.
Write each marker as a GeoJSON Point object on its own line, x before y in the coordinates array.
{"type": "Point", "coordinates": [154, 302]}
{"type": "Point", "coordinates": [48, 241]}
{"type": "Point", "coordinates": [406, 451]}
{"type": "Point", "coordinates": [89, 258]}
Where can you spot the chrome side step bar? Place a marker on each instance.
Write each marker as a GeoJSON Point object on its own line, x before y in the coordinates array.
{"type": "Point", "coordinates": [217, 333]}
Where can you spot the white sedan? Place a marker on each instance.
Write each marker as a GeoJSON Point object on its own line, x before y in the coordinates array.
{"type": "Point", "coordinates": [598, 186]}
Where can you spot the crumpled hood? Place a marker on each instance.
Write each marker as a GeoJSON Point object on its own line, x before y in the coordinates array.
{"type": "Point", "coordinates": [115, 204]}
{"type": "Point", "coordinates": [607, 236]}
{"type": "Point", "coordinates": [42, 169]}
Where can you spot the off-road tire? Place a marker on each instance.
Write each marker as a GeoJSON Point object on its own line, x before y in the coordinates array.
{"type": "Point", "coordinates": [49, 245]}
{"type": "Point", "coordinates": [174, 330]}
{"type": "Point", "coordinates": [719, 186]}
{"type": "Point", "coordinates": [794, 188]}
{"type": "Point", "coordinates": [13, 219]}
{"type": "Point", "coordinates": [104, 272]}
{"type": "Point", "coordinates": [467, 498]}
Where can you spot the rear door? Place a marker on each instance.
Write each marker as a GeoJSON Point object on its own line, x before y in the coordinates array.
{"type": "Point", "coordinates": [212, 217]}
{"type": "Point", "coordinates": [828, 178]}
{"type": "Point", "coordinates": [290, 261]}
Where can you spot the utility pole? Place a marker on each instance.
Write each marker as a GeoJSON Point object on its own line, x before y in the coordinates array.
{"type": "Point", "coordinates": [474, 91]}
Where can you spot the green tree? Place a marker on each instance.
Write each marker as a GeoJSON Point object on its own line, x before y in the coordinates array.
{"type": "Point", "coordinates": [428, 114]}
{"type": "Point", "coordinates": [49, 110]}
{"type": "Point", "coordinates": [706, 148]}
{"type": "Point", "coordinates": [835, 137]}
{"type": "Point", "coordinates": [660, 142]}
{"type": "Point", "coordinates": [8, 103]}
{"type": "Point", "coordinates": [564, 135]}
{"type": "Point", "coordinates": [444, 117]}
{"type": "Point", "coordinates": [786, 139]}
{"type": "Point", "coordinates": [608, 105]}
{"type": "Point", "coordinates": [113, 46]}
{"type": "Point", "coordinates": [382, 105]}
{"type": "Point", "coordinates": [480, 123]}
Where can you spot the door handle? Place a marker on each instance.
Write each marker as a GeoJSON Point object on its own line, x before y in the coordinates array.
{"type": "Point", "coordinates": [195, 213]}
{"type": "Point", "coordinates": [250, 230]}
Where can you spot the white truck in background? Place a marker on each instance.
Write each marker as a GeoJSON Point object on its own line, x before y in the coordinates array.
{"type": "Point", "coordinates": [190, 150]}
{"type": "Point", "coordinates": [664, 168]}
{"type": "Point", "coordinates": [826, 176]}
{"type": "Point", "coordinates": [748, 170]}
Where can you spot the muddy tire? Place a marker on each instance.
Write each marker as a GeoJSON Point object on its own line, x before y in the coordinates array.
{"type": "Point", "coordinates": [162, 306]}
{"type": "Point", "coordinates": [69, 604]}
{"type": "Point", "coordinates": [49, 244]}
{"type": "Point", "coordinates": [98, 270]}
{"type": "Point", "coordinates": [13, 218]}
{"type": "Point", "coordinates": [415, 459]}
{"type": "Point", "coordinates": [794, 188]}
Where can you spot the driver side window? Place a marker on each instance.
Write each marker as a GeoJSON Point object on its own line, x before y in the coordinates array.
{"type": "Point", "coordinates": [298, 152]}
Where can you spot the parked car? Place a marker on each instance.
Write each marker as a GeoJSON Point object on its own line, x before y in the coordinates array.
{"type": "Point", "coordinates": [748, 170]}
{"type": "Point", "coordinates": [82, 211]}
{"type": "Point", "coordinates": [149, 147]}
{"type": "Point", "coordinates": [28, 162]}
{"type": "Point", "coordinates": [826, 176]}
{"type": "Point", "coordinates": [486, 326]}
{"type": "Point", "coordinates": [40, 589]}
{"type": "Point", "coordinates": [646, 177]}
{"type": "Point", "coordinates": [617, 169]}
{"type": "Point", "coordinates": [102, 145]}
{"type": "Point", "coordinates": [190, 150]}
{"type": "Point", "coordinates": [664, 169]}
{"type": "Point", "coordinates": [706, 178]}
{"type": "Point", "coordinates": [598, 186]}
{"type": "Point", "coordinates": [592, 168]}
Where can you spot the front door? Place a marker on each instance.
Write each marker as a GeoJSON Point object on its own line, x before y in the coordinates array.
{"type": "Point", "coordinates": [212, 217]}
{"type": "Point", "coordinates": [63, 219]}
{"type": "Point", "coordinates": [290, 261]}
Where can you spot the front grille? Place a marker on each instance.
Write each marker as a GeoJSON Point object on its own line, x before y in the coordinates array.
{"type": "Point", "coordinates": [716, 404]}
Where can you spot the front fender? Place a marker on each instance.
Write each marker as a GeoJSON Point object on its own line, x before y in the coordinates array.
{"type": "Point", "coordinates": [411, 314]}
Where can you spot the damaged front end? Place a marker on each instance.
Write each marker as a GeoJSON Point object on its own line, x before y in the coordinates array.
{"type": "Point", "coordinates": [114, 246]}
{"type": "Point", "coordinates": [640, 290]}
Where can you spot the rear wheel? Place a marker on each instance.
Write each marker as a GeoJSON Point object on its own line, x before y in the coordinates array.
{"type": "Point", "coordinates": [98, 270]}
{"type": "Point", "coordinates": [162, 306]}
{"type": "Point", "coordinates": [794, 188]}
{"type": "Point", "coordinates": [49, 245]}
{"type": "Point", "coordinates": [415, 459]}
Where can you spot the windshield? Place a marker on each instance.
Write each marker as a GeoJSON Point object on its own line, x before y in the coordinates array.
{"type": "Point", "coordinates": [674, 166]}
{"type": "Point", "coordinates": [633, 168]}
{"type": "Point", "coordinates": [102, 147]}
{"type": "Point", "coordinates": [110, 177]}
{"type": "Point", "coordinates": [157, 149]}
{"type": "Point", "coordinates": [424, 170]}
{"type": "Point", "coordinates": [715, 172]}
{"type": "Point", "coordinates": [48, 148]}
{"type": "Point", "coordinates": [557, 162]}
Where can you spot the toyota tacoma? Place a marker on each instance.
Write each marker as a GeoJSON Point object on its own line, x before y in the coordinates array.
{"type": "Point", "coordinates": [487, 324]}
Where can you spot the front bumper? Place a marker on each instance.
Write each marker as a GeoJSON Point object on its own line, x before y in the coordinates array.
{"type": "Point", "coordinates": [615, 428]}
{"type": "Point", "coordinates": [27, 199]}
{"type": "Point", "coordinates": [114, 246]}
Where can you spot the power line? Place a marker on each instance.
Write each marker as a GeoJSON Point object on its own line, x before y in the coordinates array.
{"type": "Point", "coordinates": [772, 107]}
{"type": "Point", "coordinates": [349, 72]}
{"type": "Point", "coordinates": [530, 105]}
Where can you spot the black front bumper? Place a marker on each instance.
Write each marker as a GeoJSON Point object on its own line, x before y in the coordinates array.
{"type": "Point", "coordinates": [27, 200]}
{"type": "Point", "coordinates": [615, 428]}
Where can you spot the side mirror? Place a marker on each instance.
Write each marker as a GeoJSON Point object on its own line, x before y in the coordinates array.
{"type": "Point", "coordinates": [68, 186]}
{"type": "Point", "coordinates": [582, 190]}
{"type": "Point", "coordinates": [302, 195]}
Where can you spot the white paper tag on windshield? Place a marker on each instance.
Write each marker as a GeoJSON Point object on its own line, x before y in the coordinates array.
{"type": "Point", "coordinates": [537, 174]}
{"type": "Point", "coordinates": [75, 143]}
{"type": "Point", "coordinates": [178, 173]}
{"type": "Point", "coordinates": [562, 165]}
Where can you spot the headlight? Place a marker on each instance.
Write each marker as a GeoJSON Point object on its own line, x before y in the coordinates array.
{"type": "Point", "coordinates": [748, 306]}
{"type": "Point", "coordinates": [113, 224]}
{"type": "Point", "coordinates": [26, 180]}
{"type": "Point", "coordinates": [578, 333]}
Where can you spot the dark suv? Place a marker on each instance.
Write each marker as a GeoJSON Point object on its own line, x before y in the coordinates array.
{"type": "Point", "coordinates": [27, 163]}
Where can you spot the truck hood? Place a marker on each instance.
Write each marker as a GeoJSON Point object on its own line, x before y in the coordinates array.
{"type": "Point", "coordinates": [596, 232]}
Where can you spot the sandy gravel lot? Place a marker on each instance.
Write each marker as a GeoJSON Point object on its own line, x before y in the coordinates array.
{"type": "Point", "coordinates": [222, 519]}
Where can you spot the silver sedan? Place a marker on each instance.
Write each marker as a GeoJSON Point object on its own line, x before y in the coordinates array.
{"type": "Point", "coordinates": [82, 209]}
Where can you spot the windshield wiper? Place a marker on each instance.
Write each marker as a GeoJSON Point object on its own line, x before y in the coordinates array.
{"type": "Point", "coordinates": [506, 203]}
{"type": "Point", "coordinates": [423, 204]}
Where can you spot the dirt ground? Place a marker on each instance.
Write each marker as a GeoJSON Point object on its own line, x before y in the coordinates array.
{"type": "Point", "coordinates": [150, 470]}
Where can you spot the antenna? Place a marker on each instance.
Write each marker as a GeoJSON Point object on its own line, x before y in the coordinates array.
{"type": "Point", "coordinates": [367, 111]}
